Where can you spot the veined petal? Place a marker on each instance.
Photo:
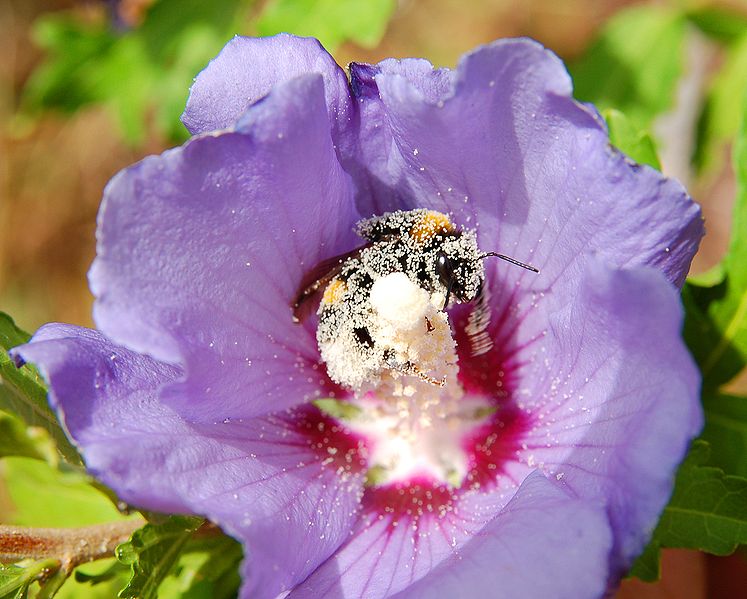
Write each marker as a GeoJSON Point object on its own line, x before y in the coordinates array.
{"type": "Point", "coordinates": [564, 538]}
{"type": "Point", "coordinates": [261, 480]}
{"type": "Point", "coordinates": [506, 149]}
{"type": "Point", "coordinates": [247, 69]}
{"type": "Point", "coordinates": [105, 396]}
{"type": "Point", "coordinates": [613, 394]}
{"type": "Point", "coordinates": [543, 525]}
{"type": "Point", "coordinates": [201, 252]}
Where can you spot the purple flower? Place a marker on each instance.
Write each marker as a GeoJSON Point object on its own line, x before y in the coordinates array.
{"type": "Point", "coordinates": [195, 396]}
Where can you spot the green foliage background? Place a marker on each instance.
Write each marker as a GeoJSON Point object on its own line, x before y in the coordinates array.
{"type": "Point", "coordinates": [146, 71]}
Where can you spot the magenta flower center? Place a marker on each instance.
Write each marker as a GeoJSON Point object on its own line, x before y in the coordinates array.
{"type": "Point", "coordinates": [422, 445]}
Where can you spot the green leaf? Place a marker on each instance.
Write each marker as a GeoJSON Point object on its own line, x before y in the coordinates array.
{"type": "Point", "coordinates": [716, 314]}
{"type": "Point", "coordinates": [112, 571]}
{"type": "Point", "coordinates": [647, 567]}
{"type": "Point", "coordinates": [166, 20]}
{"type": "Point", "coordinates": [151, 552]}
{"type": "Point", "coordinates": [50, 585]}
{"type": "Point", "coordinates": [135, 73]}
{"type": "Point", "coordinates": [98, 580]}
{"type": "Point", "coordinates": [726, 432]}
{"type": "Point", "coordinates": [207, 569]}
{"type": "Point", "coordinates": [629, 139]}
{"type": "Point", "coordinates": [24, 393]}
{"type": "Point", "coordinates": [75, 53]}
{"type": "Point", "coordinates": [45, 496]}
{"type": "Point", "coordinates": [16, 439]}
{"type": "Point", "coordinates": [634, 64]}
{"type": "Point", "coordinates": [719, 22]}
{"type": "Point", "coordinates": [723, 108]}
{"type": "Point", "coordinates": [15, 579]}
{"type": "Point", "coordinates": [330, 21]}
{"type": "Point", "coordinates": [707, 511]}
{"type": "Point", "coordinates": [338, 408]}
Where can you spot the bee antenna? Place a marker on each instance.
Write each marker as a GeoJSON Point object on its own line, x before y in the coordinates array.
{"type": "Point", "coordinates": [511, 260]}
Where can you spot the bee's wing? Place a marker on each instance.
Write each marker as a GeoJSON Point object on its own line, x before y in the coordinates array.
{"type": "Point", "coordinates": [316, 280]}
{"type": "Point", "coordinates": [478, 323]}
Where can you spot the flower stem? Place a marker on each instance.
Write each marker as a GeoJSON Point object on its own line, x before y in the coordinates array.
{"type": "Point", "coordinates": [71, 546]}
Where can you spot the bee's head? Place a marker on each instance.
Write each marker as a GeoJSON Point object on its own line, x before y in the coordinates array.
{"type": "Point", "coordinates": [459, 268]}
{"type": "Point", "coordinates": [461, 276]}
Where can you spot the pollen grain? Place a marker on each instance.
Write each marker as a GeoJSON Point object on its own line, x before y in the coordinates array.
{"type": "Point", "coordinates": [432, 223]}
{"type": "Point", "coordinates": [334, 291]}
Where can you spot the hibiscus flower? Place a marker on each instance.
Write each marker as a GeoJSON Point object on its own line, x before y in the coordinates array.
{"type": "Point", "coordinates": [199, 393]}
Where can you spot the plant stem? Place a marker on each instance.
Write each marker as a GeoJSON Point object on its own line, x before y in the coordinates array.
{"type": "Point", "coordinates": [72, 546]}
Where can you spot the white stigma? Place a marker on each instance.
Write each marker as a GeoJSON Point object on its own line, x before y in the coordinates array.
{"type": "Point", "coordinates": [416, 420]}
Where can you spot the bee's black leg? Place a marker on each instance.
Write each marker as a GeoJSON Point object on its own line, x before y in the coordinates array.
{"type": "Point", "coordinates": [410, 369]}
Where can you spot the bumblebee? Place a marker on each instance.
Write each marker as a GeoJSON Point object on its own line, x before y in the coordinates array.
{"type": "Point", "coordinates": [382, 301]}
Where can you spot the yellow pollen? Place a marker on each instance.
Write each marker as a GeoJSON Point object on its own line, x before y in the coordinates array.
{"type": "Point", "coordinates": [432, 223]}
{"type": "Point", "coordinates": [334, 291]}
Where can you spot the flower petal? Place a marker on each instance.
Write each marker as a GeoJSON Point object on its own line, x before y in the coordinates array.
{"type": "Point", "coordinates": [248, 68]}
{"type": "Point", "coordinates": [506, 149]}
{"type": "Point", "coordinates": [104, 396]}
{"type": "Point", "coordinates": [543, 544]}
{"type": "Point", "coordinates": [260, 480]}
{"type": "Point", "coordinates": [614, 395]}
{"type": "Point", "coordinates": [201, 252]}
{"type": "Point", "coordinates": [540, 525]}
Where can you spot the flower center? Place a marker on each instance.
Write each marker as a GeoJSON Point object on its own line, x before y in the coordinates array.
{"type": "Point", "coordinates": [415, 414]}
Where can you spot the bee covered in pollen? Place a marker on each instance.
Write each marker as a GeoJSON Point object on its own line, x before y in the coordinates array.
{"type": "Point", "coordinates": [382, 311]}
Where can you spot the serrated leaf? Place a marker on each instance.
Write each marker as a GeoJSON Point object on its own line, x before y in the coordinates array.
{"type": "Point", "coordinates": [707, 511]}
{"type": "Point", "coordinates": [634, 64]}
{"type": "Point", "coordinates": [16, 439]}
{"type": "Point", "coordinates": [716, 316]}
{"type": "Point", "coordinates": [151, 552]}
{"type": "Point", "coordinates": [630, 140]}
{"type": "Point", "coordinates": [330, 21]}
{"type": "Point", "coordinates": [23, 392]}
{"type": "Point", "coordinates": [726, 432]}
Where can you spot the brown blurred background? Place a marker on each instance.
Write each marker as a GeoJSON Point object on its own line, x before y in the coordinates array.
{"type": "Point", "coordinates": [53, 170]}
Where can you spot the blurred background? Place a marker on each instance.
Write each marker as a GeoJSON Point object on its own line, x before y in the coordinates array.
{"type": "Point", "coordinates": [88, 87]}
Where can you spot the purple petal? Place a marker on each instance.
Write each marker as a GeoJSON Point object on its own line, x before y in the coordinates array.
{"type": "Point", "coordinates": [104, 395]}
{"type": "Point", "coordinates": [541, 525]}
{"type": "Point", "coordinates": [543, 544]}
{"type": "Point", "coordinates": [248, 68]}
{"type": "Point", "coordinates": [613, 393]}
{"type": "Point", "coordinates": [260, 480]}
{"type": "Point", "coordinates": [506, 149]}
{"type": "Point", "coordinates": [201, 252]}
